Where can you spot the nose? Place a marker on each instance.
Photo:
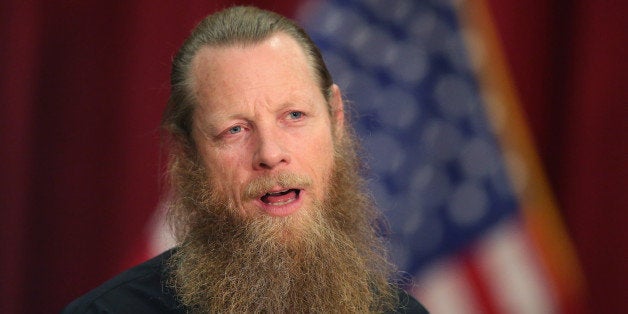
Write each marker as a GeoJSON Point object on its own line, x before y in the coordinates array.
{"type": "Point", "coordinates": [270, 151]}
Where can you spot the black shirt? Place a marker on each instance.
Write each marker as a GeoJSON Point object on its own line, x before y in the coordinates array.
{"type": "Point", "coordinates": [141, 289]}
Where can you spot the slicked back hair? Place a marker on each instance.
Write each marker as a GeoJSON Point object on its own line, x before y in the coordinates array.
{"type": "Point", "coordinates": [232, 26]}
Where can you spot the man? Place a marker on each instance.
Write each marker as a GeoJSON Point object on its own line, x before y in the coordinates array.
{"type": "Point", "coordinates": [267, 203]}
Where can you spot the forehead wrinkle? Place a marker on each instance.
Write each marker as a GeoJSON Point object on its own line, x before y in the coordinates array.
{"type": "Point", "coordinates": [207, 82]}
{"type": "Point", "coordinates": [281, 95]}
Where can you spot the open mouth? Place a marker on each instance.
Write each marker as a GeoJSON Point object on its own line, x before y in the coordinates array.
{"type": "Point", "coordinates": [281, 197]}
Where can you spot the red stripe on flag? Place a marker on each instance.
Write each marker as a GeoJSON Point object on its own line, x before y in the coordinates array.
{"type": "Point", "coordinates": [480, 289]}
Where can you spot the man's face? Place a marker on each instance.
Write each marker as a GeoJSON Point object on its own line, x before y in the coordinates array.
{"type": "Point", "coordinates": [260, 116]}
{"type": "Point", "coordinates": [269, 150]}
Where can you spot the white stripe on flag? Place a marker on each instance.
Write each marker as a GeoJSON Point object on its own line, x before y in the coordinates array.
{"type": "Point", "coordinates": [160, 237]}
{"type": "Point", "coordinates": [444, 288]}
{"type": "Point", "coordinates": [512, 274]}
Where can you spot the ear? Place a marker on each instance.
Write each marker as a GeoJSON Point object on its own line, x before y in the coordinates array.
{"type": "Point", "coordinates": [337, 111]}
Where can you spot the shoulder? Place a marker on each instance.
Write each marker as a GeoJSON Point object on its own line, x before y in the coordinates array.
{"type": "Point", "coordinates": [140, 289]}
{"type": "Point", "coordinates": [408, 304]}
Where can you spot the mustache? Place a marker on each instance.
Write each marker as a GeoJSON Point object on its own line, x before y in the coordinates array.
{"type": "Point", "coordinates": [287, 180]}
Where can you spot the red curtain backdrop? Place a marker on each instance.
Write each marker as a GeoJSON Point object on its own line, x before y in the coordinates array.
{"type": "Point", "coordinates": [569, 62]}
{"type": "Point", "coordinates": [83, 84]}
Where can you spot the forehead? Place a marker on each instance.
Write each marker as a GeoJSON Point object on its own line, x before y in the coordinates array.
{"type": "Point", "coordinates": [275, 66]}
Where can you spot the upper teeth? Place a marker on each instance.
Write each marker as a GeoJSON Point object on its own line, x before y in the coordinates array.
{"type": "Point", "coordinates": [278, 193]}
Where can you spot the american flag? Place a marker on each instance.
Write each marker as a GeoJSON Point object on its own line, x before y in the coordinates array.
{"type": "Point", "coordinates": [439, 172]}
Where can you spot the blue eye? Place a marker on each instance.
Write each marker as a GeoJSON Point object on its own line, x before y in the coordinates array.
{"type": "Point", "coordinates": [295, 114]}
{"type": "Point", "coordinates": [235, 129]}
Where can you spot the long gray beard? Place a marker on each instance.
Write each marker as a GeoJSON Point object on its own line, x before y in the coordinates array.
{"type": "Point", "coordinates": [319, 260]}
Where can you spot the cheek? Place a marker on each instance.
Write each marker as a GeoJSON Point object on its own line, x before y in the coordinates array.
{"type": "Point", "coordinates": [225, 171]}
{"type": "Point", "coordinates": [320, 158]}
